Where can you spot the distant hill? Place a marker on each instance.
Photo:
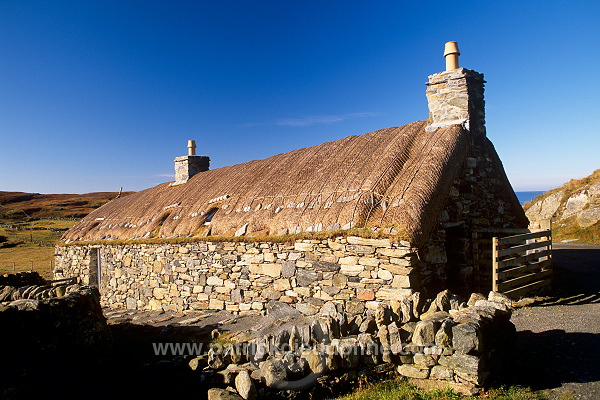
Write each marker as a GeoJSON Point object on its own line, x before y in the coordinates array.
{"type": "Point", "coordinates": [19, 206]}
{"type": "Point", "coordinates": [574, 209]}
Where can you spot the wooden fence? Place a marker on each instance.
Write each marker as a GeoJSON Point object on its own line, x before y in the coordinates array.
{"type": "Point", "coordinates": [522, 263]}
{"type": "Point", "coordinates": [481, 255]}
{"type": "Point", "coordinates": [45, 269]}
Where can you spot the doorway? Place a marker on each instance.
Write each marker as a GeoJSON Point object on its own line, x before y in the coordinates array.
{"type": "Point", "coordinates": [95, 274]}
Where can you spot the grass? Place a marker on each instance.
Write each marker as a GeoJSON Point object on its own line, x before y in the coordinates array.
{"type": "Point", "coordinates": [398, 389]}
{"type": "Point", "coordinates": [569, 229]}
{"type": "Point", "coordinates": [513, 393]}
{"type": "Point", "coordinates": [42, 235]}
{"type": "Point", "coordinates": [26, 250]}
{"type": "Point", "coordinates": [49, 223]}
{"type": "Point", "coordinates": [289, 238]}
{"type": "Point", "coordinates": [31, 238]}
{"type": "Point", "coordinates": [25, 258]}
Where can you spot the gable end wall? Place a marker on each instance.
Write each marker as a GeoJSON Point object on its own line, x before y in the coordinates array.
{"type": "Point", "coordinates": [480, 204]}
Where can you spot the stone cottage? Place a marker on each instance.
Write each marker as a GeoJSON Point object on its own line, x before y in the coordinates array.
{"type": "Point", "coordinates": [357, 221]}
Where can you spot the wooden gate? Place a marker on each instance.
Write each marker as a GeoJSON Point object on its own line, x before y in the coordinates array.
{"type": "Point", "coordinates": [522, 263]}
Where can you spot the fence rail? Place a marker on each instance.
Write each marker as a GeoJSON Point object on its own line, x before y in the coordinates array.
{"type": "Point", "coordinates": [44, 268]}
{"type": "Point", "coordinates": [522, 263]}
{"type": "Point", "coordinates": [481, 255]}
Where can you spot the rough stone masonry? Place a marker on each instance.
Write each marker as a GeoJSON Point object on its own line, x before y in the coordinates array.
{"type": "Point", "coordinates": [236, 276]}
{"type": "Point", "coordinates": [451, 343]}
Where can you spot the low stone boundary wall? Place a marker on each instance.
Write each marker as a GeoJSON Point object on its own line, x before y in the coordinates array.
{"type": "Point", "coordinates": [21, 279]}
{"type": "Point", "coordinates": [57, 330]}
{"type": "Point", "coordinates": [30, 285]}
{"type": "Point", "coordinates": [460, 345]}
{"type": "Point", "coordinates": [242, 276]}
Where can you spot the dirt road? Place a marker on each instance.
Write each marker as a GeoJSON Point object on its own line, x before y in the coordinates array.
{"type": "Point", "coordinates": [558, 346]}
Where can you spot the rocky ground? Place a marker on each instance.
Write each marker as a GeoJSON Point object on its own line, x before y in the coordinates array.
{"type": "Point", "coordinates": [558, 344]}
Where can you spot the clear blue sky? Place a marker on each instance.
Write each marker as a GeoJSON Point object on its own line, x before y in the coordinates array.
{"type": "Point", "coordinates": [95, 95]}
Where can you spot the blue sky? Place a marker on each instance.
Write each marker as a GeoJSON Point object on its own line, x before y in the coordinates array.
{"type": "Point", "coordinates": [95, 95]}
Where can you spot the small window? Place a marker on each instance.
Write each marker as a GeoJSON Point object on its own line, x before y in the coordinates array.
{"type": "Point", "coordinates": [210, 215]}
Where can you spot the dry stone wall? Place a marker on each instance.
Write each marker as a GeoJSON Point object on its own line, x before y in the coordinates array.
{"type": "Point", "coordinates": [48, 330]}
{"type": "Point", "coordinates": [478, 207]}
{"type": "Point", "coordinates": [455, 343]}
{"type": "Point", "coordinates": [355, 272]}
{"type": "Point", "coordinates": [455, 97]}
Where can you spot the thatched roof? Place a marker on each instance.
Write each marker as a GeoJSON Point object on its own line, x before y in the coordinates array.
{"type": "Point", "coordinates": [391, 178]}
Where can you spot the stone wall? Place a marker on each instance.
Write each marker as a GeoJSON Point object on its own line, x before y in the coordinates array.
{"type": "Point", "coordinates": [188, 166]}
{"type": "Point", "coordinates": [48, 331]}
{"type": "Point", "coordinates": [456, 97]}
{"type": "Point", "coordinates": [242, 276]}
{"type": "Point", "coordinates": [454, 343]}
{"type": "Point", "coordinates": [479, 206]}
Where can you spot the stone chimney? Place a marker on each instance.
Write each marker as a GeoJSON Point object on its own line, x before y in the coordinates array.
{"type": "Point", "coordinates": [455, 96]}
{"type": "Point", "coordinates": [190, 165]}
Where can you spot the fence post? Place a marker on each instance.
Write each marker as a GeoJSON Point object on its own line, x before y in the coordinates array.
{"type": "Point", "coordinates": [31, 270]}
{"type": "Point", "coordinates": [14, 268]}
{"type": "Point", "coordinates": [495, 264]}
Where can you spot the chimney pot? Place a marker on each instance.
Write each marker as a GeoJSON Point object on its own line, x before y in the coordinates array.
{"type": "Point", "coordinates": [191, 147]}
{"type": "Point", "coordinates": [451, 54]}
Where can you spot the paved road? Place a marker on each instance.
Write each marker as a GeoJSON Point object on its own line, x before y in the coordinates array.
{"type": "Point", "coordinates": [558, 344]}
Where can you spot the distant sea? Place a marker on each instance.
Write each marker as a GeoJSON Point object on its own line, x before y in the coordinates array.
{"type": "Point", "coordinates": [524, 197]}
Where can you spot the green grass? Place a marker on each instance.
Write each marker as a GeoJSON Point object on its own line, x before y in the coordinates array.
{"type": "Point", "coordinates": [26, 250]}
{"type": "Point", "coordinates": [398, 389]}
{"type": "Point", "coordinates": [25, 258]}
{"type": "Point", "coordinates": [38, 237]}
{"type": "Point", "coordinates": [513, 393]}
{"type": "Point", "coordinates": [50, 223]}
{"type": "Point", "coordinates": [31, 238]}
{"type": "Point", "coordinates": [569, 229]}
{"type": "Point", "coordinates": [288, 238]}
